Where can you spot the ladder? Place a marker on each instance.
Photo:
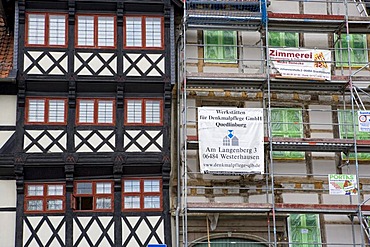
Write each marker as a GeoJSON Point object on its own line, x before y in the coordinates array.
{"type": "Point", "coordinates": [360, 5]}
{"type": "Point", "coordinates": [365, 225]}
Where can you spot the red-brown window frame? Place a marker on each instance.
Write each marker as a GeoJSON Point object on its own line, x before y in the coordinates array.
{"type": "Point", "coordinates": [143, 33]}
{"type": "Point", "coordinates": [96, 32]}
{"type": "Point", "coordinates": [143, 115]}
{"type": "Point", "coordinates": [142, 194]}
{"type": "Point", "coordinates": [44, 198]}
{"type": "Point", "coordinates": [96, 104]}
{"type": "Point", "coordinates": [94, 195]}
{"type": "Point", "coordinates": [46, 111]}
{"type": "Point", "coordinates": [46, 36]}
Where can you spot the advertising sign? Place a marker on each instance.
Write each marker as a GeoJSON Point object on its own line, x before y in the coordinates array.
{"type": "Point", "coordinates": [231, 140]}
{"type": "Point", "coordinates": [301, 63]}
{"type": "Point", "coordinates": [342, 184]}
{"type": "Point", "coordinates": [364, 121]}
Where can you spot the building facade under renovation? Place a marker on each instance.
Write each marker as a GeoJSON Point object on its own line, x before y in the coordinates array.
{"type": "Point", "coordinates": [196, 123]}
{"type": "Point", "coordinates": [272, 137]}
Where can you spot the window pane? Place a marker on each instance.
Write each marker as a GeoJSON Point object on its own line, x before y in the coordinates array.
{"type": "Point", "coordinates": [151, 186]}
{"type": "Point", "coordinates": [220, 46]}
{"type": "Point", "coordinates": [57, 32]}
{"type": "Point", "coordinates": [34, 205]}
{"type": "Point", "coordinates": [153, 29]}
{"type": "Point", "coordinates": [103, 188]}
{"type": "Point", "coordinates": [358, 50]}
{"type": "Point", "coordinates": [134, 111]}
{"type": "Point", "coordinates": [103, 203]}
{"type": "Point", "coordinates": [346, 132]}
{"type": "Point", "coordinates": [55, 204]}
{"type": "Point", "coordinates": [36, 110]}
{"type": "Point", "coordinates": [283, 39]}
{"type": "Point", "coordinates": [105, 111]}
{"type": "Point", "coordinates": [287, 123]}
{"type": "Point", "coordinates": [229, 49]}
{"type": "Point", "coordinates": [152, 111]}
{"type": "Point", "coordinates": [133, 31]}
{"type": "Point", "coordinates": [36, 29]}
{"type": "Point", "coordinates": [84, 188]}
{"type": "Point", "coordinates": [212, 43]}
{"type": "Point", "coordinates": [86, 111]}
{"type": "Point", "coordinates": [85, 31]}
{"type": "Point", "coordinates": [132, 186]}
{"type": "Point", "coordinates": [105, 31]}
{"type": "Point", "coordinates": [54, 190]}
{"type": "Point", "coordinates": [56, 111]}
{"type": "Point", "coordinates": [35, 190]}
{"type": "Point", "coordinates": [152, 202]}
{"type": "Point", "coordinates": [132, 202]}
{"type": "Point", "coordinates": [304, 230]}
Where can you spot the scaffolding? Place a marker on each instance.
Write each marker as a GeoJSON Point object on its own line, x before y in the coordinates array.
{"type": "Point", "coordinates": [253, 78]}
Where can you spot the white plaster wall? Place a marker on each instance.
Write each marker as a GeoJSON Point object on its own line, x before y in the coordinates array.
{"type": "Point", "coordinates": [316, 40]}
{"type": "Point", "coordinates": [300, 198]}
{"type": "Point", "coordinates": [8, 194]}
{"type": "Point", "coordinates": [281, 7]}
{"type": "Point", "coordinates": [320, 117]}
{"type": "Point", "coordinates": [8, 105]}
{"type": "Point", "coordinates": [341, 235]}
{"type": "Point", "coordinates": [296, 168]}
{"type": "Point", "coordinates": [260, 198]}
{"type": "Point", "coordinates": [7, 229]}
{"type": "Point", "coordinates": [252, 56]}
{"type": "Point", "coordinates": [324, 167]}
{"type": "Point", "coordinates": [339, 199]}
{"type": "Point", "coordinates": [315, 8]}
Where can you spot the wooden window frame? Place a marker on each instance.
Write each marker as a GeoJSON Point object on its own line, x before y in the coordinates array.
{"type": "Point", "coordinates": [143, 112]}
{"type": "Point", "coordinates": [142, 194]}
{"type": "Point", "coordinates": [283, 39]}
{"type": "Point", "coordinates": [287, 155]}
{"type": "Point", "coordinates": [346, 132]}
{"type": "Point", "coordinates": [95, 117]}
{"type": "Point", "coordinates": [46, 111]}
{"type": "Point", "coordinates": [143, 33]}
{"type": "Point", "coordinates": [46, 29]}
{"type": "Point", "coordinates": [343, 61]}
{"type": "Point", "coordinates": [96, 45]}
{"type": "Point", "coordinates": [303, 226]}
{"type": "Point", "coordinates": [44, 198]}
{"type": "Point", "coordinates": [219, 46]}
{"type": "Point", "coordinates": [94, 195]}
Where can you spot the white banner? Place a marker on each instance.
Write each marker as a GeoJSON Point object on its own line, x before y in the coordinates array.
{"type": "Point", "coordinates": [231, 140]}
{"type": "Point", "coordinates": [364, 121]}
{"type": "Point", "coordinates": [301, 63]}
{"type": "Point", "coordinates": [342, 184]}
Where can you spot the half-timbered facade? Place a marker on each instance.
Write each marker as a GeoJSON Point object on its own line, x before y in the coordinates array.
{"type": "Point", "coordinates": [85, 152]}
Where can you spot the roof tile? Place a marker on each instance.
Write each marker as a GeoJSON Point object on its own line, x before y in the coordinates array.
{"type": "Point", "coordinates": [6, 51]}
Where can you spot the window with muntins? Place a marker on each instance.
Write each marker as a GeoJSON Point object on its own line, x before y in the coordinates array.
{"type": "Point", "coordinates": [51, 111]}
{"type": "Point", "coordinates": [220, 46]}
{"type": "Point", "coordinates": [346, 131]}
{"type": "Point", "coordinates": [143, 32]}
{"type": "Point", "coordinates": [95, 111]}
{"type": "Point", "coordinates": [142, 194]}
{"type": "Point", "coordinates": [143, 112]}
{"type": "Point", "coordinates": [287, 123]}
{"type": "Point", "coordinates": [283, 39]}
{"type": "Point", "coordinates": [304, 230]}
{"type": "Point", "coordinates": [96, 31]}
{"type": "Point", "coordinates": [44, 198]}
{"type": "Point", "coordinates": [45, 29]}
{"type": "Point", "coordinates": [93, 196]}
{"type": "Point", "coordinates": [357, 44]}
